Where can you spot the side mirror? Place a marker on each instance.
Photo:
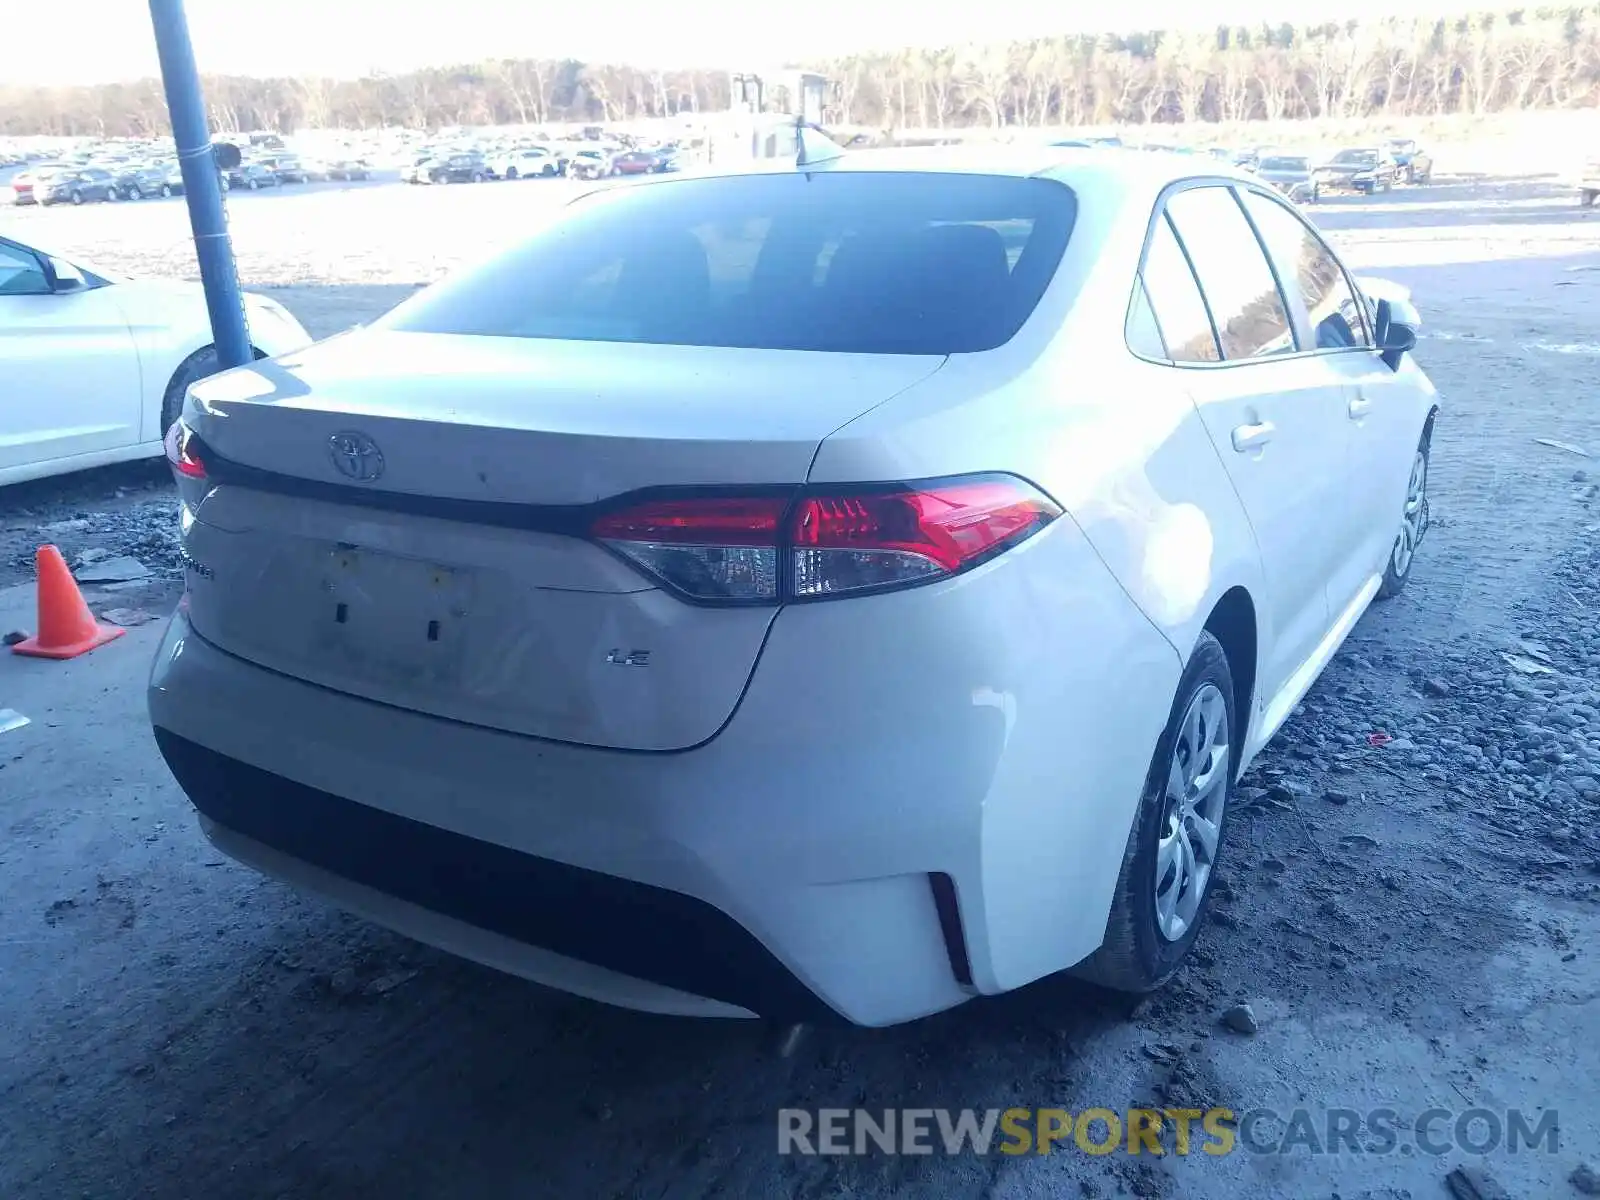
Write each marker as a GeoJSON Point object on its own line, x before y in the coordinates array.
{"type": "Point", "coordinates": [1396, 331]}
{"type": "Point", "coordinates": [64, 277]}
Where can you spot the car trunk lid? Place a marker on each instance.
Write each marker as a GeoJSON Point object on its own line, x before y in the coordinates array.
{"type": "Point", "coordinates": [400, 516]}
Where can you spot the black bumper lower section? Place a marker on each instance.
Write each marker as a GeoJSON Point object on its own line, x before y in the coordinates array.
{"type": "Point", "coordinates": [646, 932]}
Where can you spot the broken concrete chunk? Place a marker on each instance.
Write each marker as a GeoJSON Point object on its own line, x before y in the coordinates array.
{"type": "Point", "coordinates": [113, 570]}
{"type": "Point", "coordinates": [128, 617]}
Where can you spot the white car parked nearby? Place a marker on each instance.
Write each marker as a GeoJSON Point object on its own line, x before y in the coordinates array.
{"type": "Point", "coordinates": [526, 163]}
{"type": "Point", "coordinates": [840, 591]}
{"type": "Point", "coordinates": [95, 367]}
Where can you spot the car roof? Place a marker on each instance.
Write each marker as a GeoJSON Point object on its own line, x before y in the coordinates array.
{"type": "Point", "coordinates": [1088, 168]}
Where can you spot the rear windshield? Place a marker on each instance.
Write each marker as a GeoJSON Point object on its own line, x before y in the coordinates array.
{"type": "Point", "coordinates": [850, 262]}
{"type": "Point", "coordinates": [1283, 164]}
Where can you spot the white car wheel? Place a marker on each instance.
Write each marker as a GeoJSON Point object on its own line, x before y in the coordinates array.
{"type": "Point", "coordinates": [1413, 526]}
{"type": "Point", "coordinates": [1170, 862]}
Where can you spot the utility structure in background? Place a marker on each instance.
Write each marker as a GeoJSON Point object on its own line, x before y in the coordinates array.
{"type": "Point", "coordinates": [199, 161]}
{"type": "Point", "coordinates": [768, 112]}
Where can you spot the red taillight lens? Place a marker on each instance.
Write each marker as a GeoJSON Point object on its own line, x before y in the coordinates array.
{"type": "Point", "coordinates": [708, 548]}
{"type": "Point", "coordinates": [852, 542]}
{"type": "Point", "coordinates": [180, 452]}
{"type": "Point", "coordinates": [825, 542]}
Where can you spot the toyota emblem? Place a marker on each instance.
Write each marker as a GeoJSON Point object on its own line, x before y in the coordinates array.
{"type": "Point", "coordinates": [356, 455]}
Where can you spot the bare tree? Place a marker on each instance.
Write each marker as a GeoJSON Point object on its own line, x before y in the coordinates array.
{"type": "Point", "coordinates": [1477, 64]}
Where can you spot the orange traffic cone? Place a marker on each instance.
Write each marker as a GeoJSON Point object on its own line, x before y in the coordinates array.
{"type": "Point", "coordinates": [66, 626]}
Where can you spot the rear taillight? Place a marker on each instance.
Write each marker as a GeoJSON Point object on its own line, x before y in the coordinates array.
{"type": "Point", "coordinates": [709, 548]}
{"type": "Point", "coordinates": [181, 454]}
{"type": "Point", "coordinates": [824, 542]}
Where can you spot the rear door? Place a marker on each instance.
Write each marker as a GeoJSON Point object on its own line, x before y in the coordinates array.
{"type": "Point", "coordinates": [1381, 419]}
{"type": "Point", "coordinates": [69, 366]}
{"type": "Point", "coordinates": [1277, 421]}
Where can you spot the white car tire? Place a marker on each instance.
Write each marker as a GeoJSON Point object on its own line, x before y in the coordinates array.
{"type": "Point", "coordinates": [1413, 525]}
{"type": "Point", "coordinates": [1140, 951]}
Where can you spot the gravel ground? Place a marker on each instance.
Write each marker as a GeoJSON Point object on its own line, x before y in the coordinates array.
{"type": "Point", "coordinates": [1410, 910]}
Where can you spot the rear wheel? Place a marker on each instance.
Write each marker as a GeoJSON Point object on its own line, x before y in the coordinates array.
{"type": "Point", "coordinates": [1590, 195]}
{"type": "Point", "coordinates": [197, 366]}
{"type": "Point", "coordinates": [1170, 861]}
{"type": "Point", "coordinates": [512, 172]}
{"type": "Point", "coordinates": [112, 195]}
{"type": "Point", "coordinates": [166, 189]}
{"type": "Point", "coordinates": [77, 196]}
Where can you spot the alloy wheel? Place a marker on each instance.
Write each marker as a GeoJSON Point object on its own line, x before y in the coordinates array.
{"type": "Point", "coordinates": [1415, 518]}
{"type": "Point", "coordinates": [1195, 797]}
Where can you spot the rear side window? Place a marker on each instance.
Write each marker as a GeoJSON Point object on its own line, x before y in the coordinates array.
{"type": "Point", "coordinates": [1238, 283]}
{"type": "Point", "coordinates": [1175, 299]}
{"type": "Point", "coordinates": [1143, 334]}
{"type": "Point", "coordinates": [1311, 274]}
{"type": "Point", "coordinates": [21, 273]}
{"type": "Point", "coordinates": [851, 262]}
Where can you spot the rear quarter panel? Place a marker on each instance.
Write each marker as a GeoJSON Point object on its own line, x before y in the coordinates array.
{"type": "Point", "coordinates": [1119, 445]}
{"type": "Point", "coordinates": [1115, 440]}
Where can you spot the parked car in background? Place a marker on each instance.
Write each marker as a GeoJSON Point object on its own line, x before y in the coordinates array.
{"type": "Point", "coordinates": [590, 164]}
{"type": "Point", "coordinates": [421, 170]}
{"type": "Point", "coordinates": [83, 186]}
{"type": "Point", "coordinates": [461, 168]}
{"type": "Point", "coordinates": [287, 167]}
{"type": "Point", "coordinates": [349, 169]}
{"type": "Point", "coordinates": [526, 163]}
{"type": "Point", "coordinates": [1412, 163]}
{"type": "Point", "coordinates": [636, 162]}
{"type": "Point", "coordinates": [1361, 169]}
{"type": "Point", "coordinates": [512, 622]}
{"type": "Point", "coordinates": [26, 185]}
{"type": "Point", "coordinates": [105, 360]}
{"type": "Point", "coordinates": [252, 176]}
{"type": "Point", "coordinates": [140, 182]}
{"type": "Point", "coordinates": [1291, 175]}
{"type": "Point", "coordinates": [172, 181]}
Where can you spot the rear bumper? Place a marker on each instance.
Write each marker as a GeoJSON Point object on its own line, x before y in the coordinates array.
{"type": "Point", "coordinates": [968, 732]}
{"type": "Point", "coordinates": [647, 933]}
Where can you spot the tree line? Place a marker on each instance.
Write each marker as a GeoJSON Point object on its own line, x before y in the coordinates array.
{"type": "Point", "coordinates": [1476, 64]}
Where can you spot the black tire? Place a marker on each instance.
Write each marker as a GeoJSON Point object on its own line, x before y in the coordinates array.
{"type": "Point", "coordinates": [166, 189]}
{"type": "Point", "coordinates": [1136, 956]}
{"type": "Point", "coordinates": [548, 170]}
{"type": "Point", "coordinates": [512, 172]}
{"type": "Point", "coordinates": [1588, 198]}
{"type": "Point", "coordinates": [477, 177]}
{"type": "Point", "coordinates": [253, 184]}
{"type": "Point", "coordinates": [112, 195]}
{"type": "Point", "coordinates": [77, 196]}
{"type": "Point", "coordinates": [197, 366]}
{"type": "Point", "coordinates": [1397, 571]}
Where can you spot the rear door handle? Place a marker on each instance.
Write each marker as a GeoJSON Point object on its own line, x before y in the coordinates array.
{"type": "Point", "coordinates": [1360, 406]}
{"type": "Point", "coordinates": [1248, 437]}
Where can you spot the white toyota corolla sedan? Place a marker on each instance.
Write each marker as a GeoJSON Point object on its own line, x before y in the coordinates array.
{"type": "Point", "coordinates": [834, 591]}
{"type": "Point", "coordinates": [93, 367]}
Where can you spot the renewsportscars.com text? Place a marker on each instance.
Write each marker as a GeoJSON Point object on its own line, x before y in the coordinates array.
{"type": "Point", "coordinates": [1163, 1131]}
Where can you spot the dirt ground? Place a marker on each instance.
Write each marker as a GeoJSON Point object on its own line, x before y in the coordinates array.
{"type": "Point", "coordinates": [1414, 924]}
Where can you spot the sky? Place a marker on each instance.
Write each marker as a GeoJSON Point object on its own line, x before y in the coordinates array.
{"type": "Point", "coordinates": [96, 41]}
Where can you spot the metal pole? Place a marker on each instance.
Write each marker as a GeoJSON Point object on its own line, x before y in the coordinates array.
{"type": "Point", "coordinates": [202, 184]}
